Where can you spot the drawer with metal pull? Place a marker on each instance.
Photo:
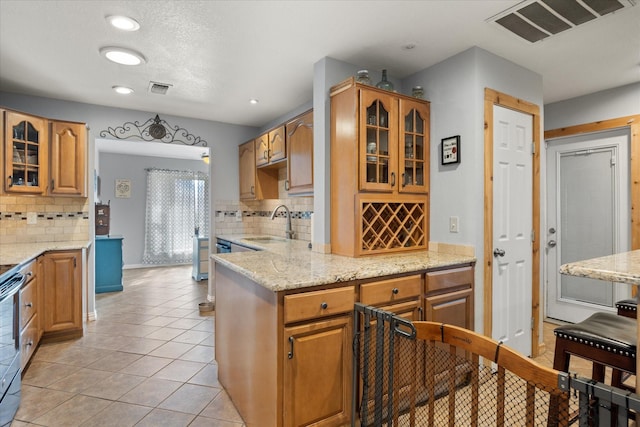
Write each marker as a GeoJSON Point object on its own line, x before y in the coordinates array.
{"type": "Point", "coordinates": [314, 304]}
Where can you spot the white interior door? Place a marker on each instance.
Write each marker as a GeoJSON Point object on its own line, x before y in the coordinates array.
{"type": "Point", "coordinates": [587, 217]}
{"type": "Point", "coordinates": [512, 228]}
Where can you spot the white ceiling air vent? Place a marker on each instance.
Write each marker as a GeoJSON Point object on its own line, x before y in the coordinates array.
{"type": "Point", "coordinates": [535, 20]}
{"type": "Point", "coordinates": [159, 88]}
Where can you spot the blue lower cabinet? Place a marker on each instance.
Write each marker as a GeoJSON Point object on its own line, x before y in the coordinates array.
{"type": "Point", "coordinates": [108, 264]}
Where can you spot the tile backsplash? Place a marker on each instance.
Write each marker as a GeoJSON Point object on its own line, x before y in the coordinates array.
{"type": "Point", "coordinates": [29, 219]}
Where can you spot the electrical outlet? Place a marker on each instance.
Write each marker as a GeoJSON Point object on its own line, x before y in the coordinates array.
{"type": "Point", "coordinates": [453, 224]}
{"type": "Point", "coordinates": [238, 215]}
{"type": "Point", "coordinates": [32, 218]}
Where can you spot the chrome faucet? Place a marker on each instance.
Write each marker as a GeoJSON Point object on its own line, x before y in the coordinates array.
{"type": "Point", "coordinates": [289, 231]}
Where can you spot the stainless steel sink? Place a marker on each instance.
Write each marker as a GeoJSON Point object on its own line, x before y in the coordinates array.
{"type": "Point", "coordinates": [265, 239]}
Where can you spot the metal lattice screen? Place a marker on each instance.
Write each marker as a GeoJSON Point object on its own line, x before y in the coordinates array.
{"type": "Point", "coordinates": [427, 374]}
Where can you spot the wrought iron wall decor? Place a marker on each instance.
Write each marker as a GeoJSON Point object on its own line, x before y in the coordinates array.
{"type": "Point", "coordinates": [154, 129]}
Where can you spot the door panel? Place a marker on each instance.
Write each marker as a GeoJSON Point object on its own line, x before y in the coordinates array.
{"type": "Point", "coordinates": [587, 218]}
{"type": "Point", "coordinates": [512, 225]}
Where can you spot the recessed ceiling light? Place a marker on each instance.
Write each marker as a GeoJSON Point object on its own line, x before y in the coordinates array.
{"type": "Point", "coordinates": [123, 23]}
{"type": "Point", "coordinates": [253, 101]}
{"type": "Point", "coordinates": [122, 56]}
{"type": "Point", "coordinates": [409, 46]}
{"type": "Point", "coordinates": [123, 90]}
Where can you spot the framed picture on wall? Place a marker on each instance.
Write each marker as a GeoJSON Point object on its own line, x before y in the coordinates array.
{"type": "Point", "coordinates": [450, 150]}
{"type": "Point", "coordinates": [123, 188]}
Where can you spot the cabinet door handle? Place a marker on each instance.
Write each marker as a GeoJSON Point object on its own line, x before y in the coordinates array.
{"type": "Point", "coordinates": [290, 355]}
{"type": "Point", "coordinates": [324, 305]}
{"type": "Point", "coordinates": [420, 314]}
{"type": "Point", "coordinates": [286, 185]}
{"type": "Point", "coordinates": [264, 154]}
{"type": "Point", "coordinates": [395, 291]}
{"type": "Point", "coordinates": [253, 190]}
{"type": "Point", "coordinates": [28, 304]}
{"type": "Point", "coordinates": [53, 181]}
{"type": "Point", "coordinates": [404, 180]}
{"type": "Point", "coordinates": [10, 178]}
{"type": "Point", "coordinates": [393, 179]}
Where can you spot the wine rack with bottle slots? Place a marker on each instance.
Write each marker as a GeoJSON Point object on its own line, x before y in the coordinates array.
{"type": "Point", "coordinates": [379, 170]}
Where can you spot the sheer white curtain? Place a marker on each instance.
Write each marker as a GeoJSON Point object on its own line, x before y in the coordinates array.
{"type": "Point", "coordinates": [177, 205]}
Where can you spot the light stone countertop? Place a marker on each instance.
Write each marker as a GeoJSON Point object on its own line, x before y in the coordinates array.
{"type": "Point", "coordinates": [290, 264]}
{"type": "Point", "coordinates": [623, 268]}
{"type": "Point", "coordinates": [19, 253]}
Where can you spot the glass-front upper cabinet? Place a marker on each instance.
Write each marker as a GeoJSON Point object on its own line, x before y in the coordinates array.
{"type": "Point", "coordinates": [26, 156]}
{"type": "Point", "coordinates": [414, 154]}
{"type": "Point", "coordinates": [378, 141]}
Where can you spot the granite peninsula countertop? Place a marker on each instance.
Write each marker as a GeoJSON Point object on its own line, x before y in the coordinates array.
{"type": "Point", "coordinates": [18, 253]}
{"type": "Point", "coordinates": [623, 268]}
{"type": "Point", "coordinates": [289, 264]}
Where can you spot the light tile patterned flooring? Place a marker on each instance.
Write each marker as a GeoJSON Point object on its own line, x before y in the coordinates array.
{"type": "Point", "coordinates": [146, 361]}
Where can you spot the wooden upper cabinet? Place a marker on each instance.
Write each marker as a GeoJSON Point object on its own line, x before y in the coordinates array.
{"type": "Point", "coordinates": [414, 147]}
{"type": "Point", "coordinates": [25, 153]}
{"type": "Point", "coordinates": [262, 150]}
{"type": "Point", "coordinates": [299, 134]}
{"type": "Point", "coordinates": [271, 147]}
{"type": "Point", "coordinates": [277, 145]}
{"type": "Point", "coordinates": [68, 159]}
{"type": "Point", "coordinates": [378, 142]}
{"type": "Point", "coordinates": [247, 162]}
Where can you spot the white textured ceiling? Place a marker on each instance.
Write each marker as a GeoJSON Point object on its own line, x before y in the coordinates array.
{"type": "Point", "coordinates": [219, 54]}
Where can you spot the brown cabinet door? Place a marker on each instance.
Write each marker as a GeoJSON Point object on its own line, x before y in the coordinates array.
{"type": "Point", "coordinates": [68, 159]}
{"type": "Point", "coordinates": [414, 147]}
{"type": "Point", "coordinates": [26, 154]}
{"type": "Point", "coordinates": [300, 154]}
{"type": "Point", "coordinates": [262, 150]}
{"type": "Point", "coordinates": [277, 145]}
{"type": "Point", "coordinates": [453, 308]}
{"type": "Point", "coordinates": [62, 292]}
{"type": "Point", "coordinates": [378, 141]}
{"type": "Point", "coordinates": [317, 373]}
{"type": "Point", "coordinates": [247, 164]}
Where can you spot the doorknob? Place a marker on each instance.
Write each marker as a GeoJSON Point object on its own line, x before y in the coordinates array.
{"type": "Point", "coordinates": [498, 252]}
{"type": "Point", "coordinates": [552, 243]}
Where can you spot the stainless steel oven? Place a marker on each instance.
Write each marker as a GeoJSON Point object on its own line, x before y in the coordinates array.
{"type": "Point", "coordinates": [10, 284]}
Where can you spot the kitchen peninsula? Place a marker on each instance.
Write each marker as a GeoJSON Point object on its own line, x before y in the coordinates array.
{"type": "Point", "coordinates": [622, 268]}
{"type": "Point", "coordinates": [284, 320]}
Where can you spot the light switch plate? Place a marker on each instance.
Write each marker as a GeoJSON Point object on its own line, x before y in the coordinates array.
{"type": "Point", "coordinates": [453, 224]}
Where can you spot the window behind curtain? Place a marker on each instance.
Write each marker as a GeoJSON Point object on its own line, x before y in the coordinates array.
{"type": "Point", "coordinates": [177, 205]}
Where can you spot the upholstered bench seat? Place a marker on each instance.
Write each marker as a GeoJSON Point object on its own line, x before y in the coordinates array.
{"type": "Point", "coordinates": [627, 308]}
{"type": "Point", "coordinates": [605, 339]}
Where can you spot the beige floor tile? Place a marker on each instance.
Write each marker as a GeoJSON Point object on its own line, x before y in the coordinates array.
{"type": "Point", "coordinates": [36, 401]}
{"type": "Point", "coordinates": [160, 321]}
{"type": "Point", "coordinates": [199, 353]}
{"type": "Point", "coordinates": [146, 366]}
{"type": "Point", "coordinates": [118, 414]}
{"type": "Point", "coordinates": [190, 398]}
{"type": "Point", "coordinates": [104, 341]}
{"type": "Point", "coordinates": [42, 374]}
{"type": "Point", "coordinates": [151, 392]}
{"type": "Point", "coordinates": [208, 376]}
{"type": "Point", "coordinates": [185, 323]}
{"type": "Point", "coordinates": [206, 325]}
{"type": "Point", "coordinates": [114, 386]}
{"type": "Point", "coordinates": [166, 334]}
{"type": "Point", "coordinates": [115, 361]}
{"type": "Point", "coordinates": [209, 422]}
{"type": "Point", "coordinates": [192, 337]}
{"type": "Point", "coordinates": [178, 312]}
{"type": "Point", "coordinates": [142, 346]}
{"type": "Point", "coordinates": [73, 412]}
{"type": "Point", "coordinates": [165, 418]}
{"type": "Point", "coordinates": [222, 408]}
{"type": "Point", "coordinates": [80, 380]}
{"type": "Point", "coordinates": [179, 370]}
{"type": "Point", "coordinates": [171, 349]}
